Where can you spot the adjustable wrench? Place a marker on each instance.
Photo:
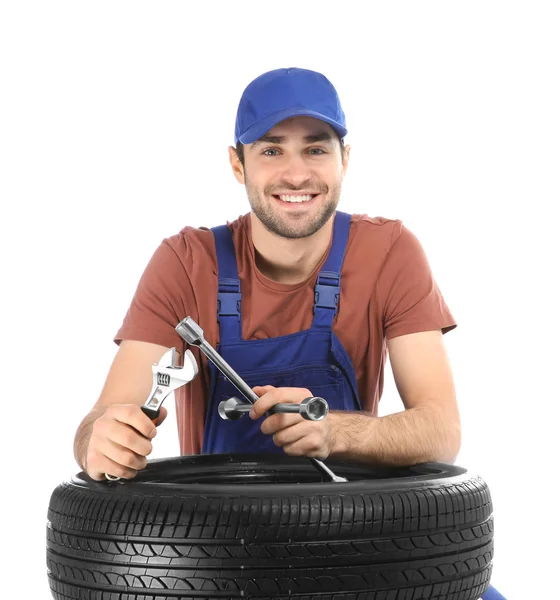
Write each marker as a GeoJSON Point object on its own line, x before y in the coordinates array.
{"type": "Point", "coordinates": [192, 333]}
{"type": "Point", "coordinates": [167, 377]}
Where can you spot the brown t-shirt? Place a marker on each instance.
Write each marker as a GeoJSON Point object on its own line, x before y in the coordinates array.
{"type": "Point", "coordinates": [387, 290]}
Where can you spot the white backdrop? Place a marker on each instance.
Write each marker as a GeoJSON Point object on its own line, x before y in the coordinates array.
{"type": "Point", "coordinates": [114, 125]}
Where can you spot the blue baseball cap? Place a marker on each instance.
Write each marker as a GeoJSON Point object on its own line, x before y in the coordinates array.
{"type": "Point", "coordinates": [283, 93]}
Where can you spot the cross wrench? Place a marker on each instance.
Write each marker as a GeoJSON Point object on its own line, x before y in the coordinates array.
{"type": "Point", "coordinates": [166, 379]}
{"type": "Point", "coordinates": [192, 333]}
{"type": "Point", "coordinates": [312, 408]}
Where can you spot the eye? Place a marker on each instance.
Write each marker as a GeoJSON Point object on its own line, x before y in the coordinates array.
{"type": "Point", "coordinates": [271, 150]}
{"type": "Point", "coordinates": [316, 151]}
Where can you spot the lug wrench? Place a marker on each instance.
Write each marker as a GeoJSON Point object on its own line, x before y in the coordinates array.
{"type": "Point", "coordinates": [192, 333]}
{"type": "Point", "coordinates": [166, 379]}
{"type": "Point", "coordinates": [312, 409]}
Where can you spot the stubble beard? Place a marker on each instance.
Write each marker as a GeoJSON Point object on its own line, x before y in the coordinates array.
{"type": "Point", "coordinates": [292, 226]}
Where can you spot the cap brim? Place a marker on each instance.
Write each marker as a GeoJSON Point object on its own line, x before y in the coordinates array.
{"type": "Point", "coordinates": [264, 125]}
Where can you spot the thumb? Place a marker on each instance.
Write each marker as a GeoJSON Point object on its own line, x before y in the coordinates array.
{"type": "Point", "coordinates": [261, 390]}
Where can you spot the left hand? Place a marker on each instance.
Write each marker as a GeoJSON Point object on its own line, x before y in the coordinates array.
{"type": "Point", "coordinates": [291, 432]}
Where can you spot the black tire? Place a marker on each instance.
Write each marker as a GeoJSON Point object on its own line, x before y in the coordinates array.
{"type": "Point", "coordinates": [267, 526]}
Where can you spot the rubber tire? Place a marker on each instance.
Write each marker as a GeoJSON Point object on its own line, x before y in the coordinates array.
{"type": "Point", "coordinates": [267, 526]}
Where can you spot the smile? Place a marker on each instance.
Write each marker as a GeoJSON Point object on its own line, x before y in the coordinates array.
{"type": "Point", "coordinates": [296, 199]}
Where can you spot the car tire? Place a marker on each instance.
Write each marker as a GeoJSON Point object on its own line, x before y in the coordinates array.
{"type": "Point", "coordinates": [270, 527]}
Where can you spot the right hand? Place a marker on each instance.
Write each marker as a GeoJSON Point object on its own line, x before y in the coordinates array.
{"type": "Point", "coordinates": [120, 441]}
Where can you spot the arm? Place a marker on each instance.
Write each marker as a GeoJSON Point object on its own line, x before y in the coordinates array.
{"type": "Point", "coordinates": [427, 430]}
{"type": "Point", "coordinates": [414, 317]}
{"type": "Point", "coordinates": [115, 435]}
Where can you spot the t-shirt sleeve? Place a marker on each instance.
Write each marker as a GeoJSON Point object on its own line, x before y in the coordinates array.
{"type": "Point", "coordinates": [159, 302]}
{"type": "Point", "coordinates": [410, 297]}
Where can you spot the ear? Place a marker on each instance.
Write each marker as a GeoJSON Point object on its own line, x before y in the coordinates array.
{"type": "Point", "coordinates": [237, 167]}
{"type": "Point", "coordinates": [345, 159]}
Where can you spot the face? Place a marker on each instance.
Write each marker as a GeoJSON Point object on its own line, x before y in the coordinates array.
{"type": "Point", "coordinates": [293, 176]}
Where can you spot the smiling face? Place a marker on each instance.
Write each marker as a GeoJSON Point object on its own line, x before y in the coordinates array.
{"type": "Point", "coordinates": [293, 176]}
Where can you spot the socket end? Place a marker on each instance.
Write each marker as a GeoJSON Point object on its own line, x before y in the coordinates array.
{"type": "Point", "coordinates": [189, 330]}
{"type": "Point", "coordinates": [316, 408]}
{"type": "Point", "coordinates": [228, 409]}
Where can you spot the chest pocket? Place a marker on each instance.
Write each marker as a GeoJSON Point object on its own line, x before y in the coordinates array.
{"type": "Point", "coordinates": [325, 381]}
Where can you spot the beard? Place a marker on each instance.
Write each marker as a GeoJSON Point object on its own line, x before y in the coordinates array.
{"type": "Point", "coordinates": [292, 226]}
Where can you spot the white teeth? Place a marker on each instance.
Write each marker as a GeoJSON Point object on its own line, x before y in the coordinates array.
{"type": "Point", "coordinates": [296, 198]}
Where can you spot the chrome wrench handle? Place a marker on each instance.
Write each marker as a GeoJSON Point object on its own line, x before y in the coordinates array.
{"type": "Point", "coordinates": [192, 333]}
{"type": "Point", "coordinates": [313, 408]}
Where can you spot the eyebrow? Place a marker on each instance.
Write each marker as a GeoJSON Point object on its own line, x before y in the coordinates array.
{"type": "Point", "coordinates": [324, 136]}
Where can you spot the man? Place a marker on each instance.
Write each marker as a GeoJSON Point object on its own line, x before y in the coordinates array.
{"type": "Point", "coordinates": [299, 298]}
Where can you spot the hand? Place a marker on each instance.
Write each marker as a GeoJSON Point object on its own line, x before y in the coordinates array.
{"type": "Point", "coordinates": [120, 441]}
{"type": "Point", "coordinates": [291, 432]}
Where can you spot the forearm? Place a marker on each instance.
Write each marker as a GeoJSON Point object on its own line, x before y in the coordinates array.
{"type": "Point", "coordinates": [83, 435]}
{"type": "Point", "coordinates": [416, 435]}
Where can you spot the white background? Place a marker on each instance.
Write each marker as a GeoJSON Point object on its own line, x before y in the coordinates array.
{"type": "Point", "coordinates": [114, 125]}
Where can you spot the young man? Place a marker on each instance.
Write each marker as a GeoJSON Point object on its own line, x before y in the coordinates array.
{"type": "Point", "coordinates": [299, 298]}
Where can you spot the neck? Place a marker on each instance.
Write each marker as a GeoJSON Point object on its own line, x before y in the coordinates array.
{"type": "Point", "coordinates": [288, 260]}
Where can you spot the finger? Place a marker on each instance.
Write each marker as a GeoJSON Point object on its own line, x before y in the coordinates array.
{"type": "Point", "coordinates": [124, 456]}
{"type": "Point", "coordinates": [312, 445]}
{"type": "Point", "coordinates": [131, 414]}
{"type": "Point", "coordinates": [98, 465]}
{"type": "Point", "coordinates": [286, 395]}
{"type": "Point", "coordinates": [262, 389]}
{"type": "Point", "coordinates": [293, 433]}
{"type": "Point", "coordinates": [259, 407]}
{"type": "Point", "coordinates": [300, 448]}
{"type": "Point", "coordinates": [110, 430]}
{"type": "Point", "coordinates": [278, 422]}
{"type": "Point", "coordinates": [303, 439]}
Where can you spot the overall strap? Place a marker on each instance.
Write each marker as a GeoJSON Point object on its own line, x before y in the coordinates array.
{"type": "Point", "coordinates": [229, 287]}
{"type": "Point", "coordinates": [327, 289]}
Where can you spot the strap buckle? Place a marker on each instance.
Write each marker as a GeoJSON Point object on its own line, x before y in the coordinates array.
{"type": "Point", "coordinates": [229, 298]}
{"type": "Point", "coordinates": [327, 290]}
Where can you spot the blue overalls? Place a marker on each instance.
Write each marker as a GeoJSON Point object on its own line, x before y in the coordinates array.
{"type": "Point", "coordinates": [314, 359]}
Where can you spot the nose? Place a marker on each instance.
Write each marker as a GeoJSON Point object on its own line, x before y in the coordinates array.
{"type": "Point", "coordinates": [295, 170]}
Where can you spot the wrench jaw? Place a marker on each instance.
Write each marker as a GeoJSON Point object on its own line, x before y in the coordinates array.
{"type": "Point", "coordinates": [169, 359]}
{"type": "Point", "coordinates": [190, 365]}
{"type": "Point", "coordinates": [167, 379]}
